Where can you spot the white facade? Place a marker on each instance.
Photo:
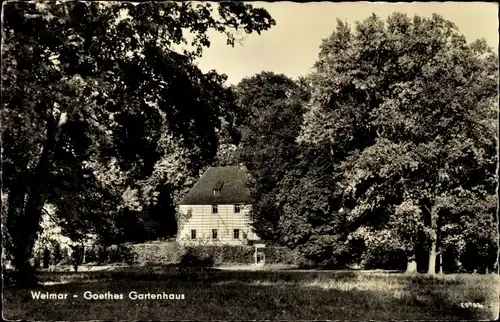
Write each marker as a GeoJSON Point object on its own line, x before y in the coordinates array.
{"type": "Point", "coordinates": [205, 225]}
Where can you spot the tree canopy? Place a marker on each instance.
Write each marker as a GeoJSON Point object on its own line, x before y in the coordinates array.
{"type": "Point", "coordinates": [99, 106]}
{"type": "Point", "coordinates": [271, 107]}
{"type": "Point", "coordinates": [408, 110]}
{"type": "Point", "coordinates": [107, 121]}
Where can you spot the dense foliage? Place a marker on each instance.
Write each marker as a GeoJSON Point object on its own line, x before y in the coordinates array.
{"type": "Point", "coordinates": [271, 107]}
{"type": "Point", "coordinates": [103, 113]}
{"type": "Point", "coordinates": [407, 109]}
{"type": "Point", "coordinates": [386, 151]}
{"type": "Point", "coordinates": [390, 152]}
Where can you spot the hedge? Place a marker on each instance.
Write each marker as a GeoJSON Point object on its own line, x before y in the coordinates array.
{"type": "Point", "coordinates": [157, 253]}
{"type": "Point", "coordinates": [163, 253]}
{"type": "Point", "coordinates": [111, 254]}
{"type": "Point", "coordinates": [223, 254]}
{"type": "Point", "coordinates": [282, 255]}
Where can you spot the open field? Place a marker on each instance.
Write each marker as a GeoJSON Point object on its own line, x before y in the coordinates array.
{"type": "Point", "coordinates": [243, 295]}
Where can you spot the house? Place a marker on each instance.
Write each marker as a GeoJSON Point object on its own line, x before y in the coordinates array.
{"type": "Point", "coordinates": [216, 210]}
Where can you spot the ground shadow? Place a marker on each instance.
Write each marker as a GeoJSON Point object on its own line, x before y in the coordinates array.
{"type": "Point", "coordinates": [207, 275]}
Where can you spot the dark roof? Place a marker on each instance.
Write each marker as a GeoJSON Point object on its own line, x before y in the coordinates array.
{"type": "Point", "coordinates": [230, 180]}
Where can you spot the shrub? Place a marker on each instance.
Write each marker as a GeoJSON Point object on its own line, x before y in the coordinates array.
{"type": "Point", "coordinates": [102, 254]}
{"type": "Point", "coordinates": [196, 257]}
{"type": "Point", "coordinates": [111, 254]}
{"type": "Point", "coordinates": [171, 253]}
{"type": "Point", "coordinates": [227, 254]}
{"type": "Point", "coordinates": [121, 254]}
{"type": "Point", "coordinates": [91, 255]}
{"type": "Point", "coordinates": [37, 261]}
{"type": "Point", "coordinates": [157, 253]}
{"type": "Point", "coordinates": [77, 256]}
{"type": "Point", "coordinates": [374, 255]}
{"type": "Point", "coordinates": [282, 255]}
{"type": "Point", "coordinates": [327, 251]}
{"type": "Point", "coordinates": [479, 255]}
{"type": "Point", "coordinates": [378, 258]}
{"type": "Point", "coordinates": [57, 253]}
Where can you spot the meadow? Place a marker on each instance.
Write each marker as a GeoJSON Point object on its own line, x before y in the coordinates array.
{"type": "Point", "coordinates": [212, 294]}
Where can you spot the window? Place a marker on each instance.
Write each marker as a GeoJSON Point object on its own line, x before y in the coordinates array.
{"type": "Point", "coordinates": [236, 234]}
{"type": "Point", "coordinates": [214, 209]}
{"type": "Point", "coordinates": [214, 233]}
{"type": "Point", "coordinates": [236, 209]}
{"type": "Point", "coordinates": [216, 192]}
{"type": "Point", "coordinates": [193, 234]}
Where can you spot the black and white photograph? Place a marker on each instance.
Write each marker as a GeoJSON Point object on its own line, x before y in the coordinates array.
{"type": "Point", "coordinates": [237, 161]}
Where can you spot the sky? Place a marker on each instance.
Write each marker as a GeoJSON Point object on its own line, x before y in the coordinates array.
{"type": "Point", "coordinates": [292, 45]}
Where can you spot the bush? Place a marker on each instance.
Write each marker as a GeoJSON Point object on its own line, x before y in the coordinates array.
{"type": "Point", "coordinates": [111, 254]}
{"type": "Point", "coordinates": [171, 253]}
{"type": "Point", "coordinates": [195, 257]}
{"type": "Point", "coordinates": [57, 253]}
{"type": "Point", "coordinates": [222, 254]}
{"type": "Point", "coordinates": [479, 255]}
{"type": "Point", "coordinates": [282, 255]}
{"type": "Point", "coordinates": [157, 253]}
{"type": "Point", "coordinates": [227, 254]}
{"type": "Point", "coordinates": [327, 251]}
{"type": "Point", "coordinates": [77, 256]}
{"type": "Point", "coordinates": [102, 254]}
{"type": "Point", "coordinates": [92, 255]}
{"type": "Point", "coordinates": [121, 254]}
{"type": "Point", "coordinates": [37, 261]}
{"type": "Point", "coordinates": [378, 258]}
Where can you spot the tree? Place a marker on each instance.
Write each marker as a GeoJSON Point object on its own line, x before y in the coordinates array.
{"type": "Point", "coordinates": [308, 203]}
{"type": "Point", "coordinates": [230, 132]}
{"type": "Point", "coordinates": [271, 109]}
{"type": "Point", "coordinates": [470, 233]}
{"type": "Point", "coordinates": [407, 108]}
{"type": "Point", "coordinates": [88, 83]}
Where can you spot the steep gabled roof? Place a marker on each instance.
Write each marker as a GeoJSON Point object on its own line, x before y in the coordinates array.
{"type": "Point", "coordinates": [229, 180]}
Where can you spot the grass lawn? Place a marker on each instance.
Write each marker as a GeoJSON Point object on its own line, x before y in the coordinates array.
{"type": "Point", "coordinates": [270, 295]}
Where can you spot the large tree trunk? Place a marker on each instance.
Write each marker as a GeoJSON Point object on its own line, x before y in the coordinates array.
{"type": "Point", "coordinates": [441, 262]}
{"type": "Point", "coordinates": [46, 258]}
{"type": "Point", "coordinates": [25, 214]}
{"type": "Point", "coordinates": [25, 274]}
{"type": "Point", "coordinates": [432, 257]}
{"type": "Point", "coordinates": [411, 265]}
{"type": "Point", "coordinates": [23, 230]}
{"type": "Point", "coordinates": [18, 245]}
{"type": "Point", "coordinates": [431, 222]}
{"type": "Point", "coordinates": [21, 250]}
{"type": "Point", "coordinates": [433, 246]}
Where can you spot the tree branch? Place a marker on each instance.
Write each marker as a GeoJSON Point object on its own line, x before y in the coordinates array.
{"type": "Point", "coordinates": [50, 215]}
